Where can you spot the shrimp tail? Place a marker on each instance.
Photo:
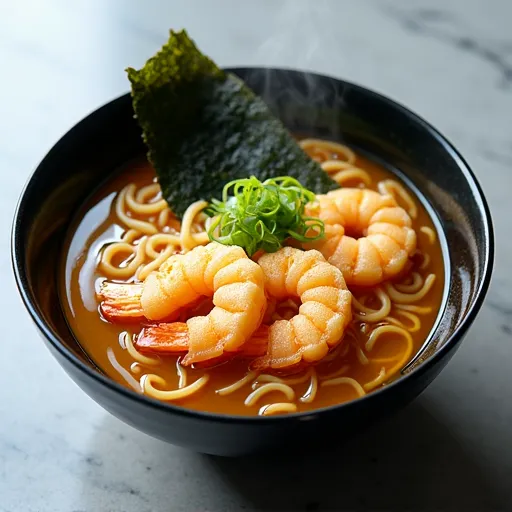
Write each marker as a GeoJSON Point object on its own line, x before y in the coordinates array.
{"type": "Point", "coordinates": [173, 339]}
{"type": "Point", "coordinates": [120, 302]}
{"type": "Point", "coordinates": [163, 339]}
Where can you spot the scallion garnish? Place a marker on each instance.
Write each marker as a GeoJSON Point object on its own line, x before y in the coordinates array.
{"type": "Point", "coordinates": [256, 215]}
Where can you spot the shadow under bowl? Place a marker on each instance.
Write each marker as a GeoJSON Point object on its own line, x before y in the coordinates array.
{"type": "Point", "coordinates": [309, 104]}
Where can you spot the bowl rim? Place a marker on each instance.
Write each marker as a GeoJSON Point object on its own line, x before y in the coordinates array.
{"type": "Point", "coordinates": [19, 268]}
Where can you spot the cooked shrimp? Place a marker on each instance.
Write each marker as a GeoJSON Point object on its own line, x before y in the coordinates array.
{"type": "Point", "coordinates": [367, 236]}
{"type": "Point", "coordinates": [322, 317]}
{"type": "Point", "coordinates": [224, 273]}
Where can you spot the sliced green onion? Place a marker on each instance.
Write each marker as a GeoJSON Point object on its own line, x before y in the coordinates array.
{"type": "Point", "coordinates": [256, 215]}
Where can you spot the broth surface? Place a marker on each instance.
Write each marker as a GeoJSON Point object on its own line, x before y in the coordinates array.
{"type": "Point", "coordinates": [97, 225]}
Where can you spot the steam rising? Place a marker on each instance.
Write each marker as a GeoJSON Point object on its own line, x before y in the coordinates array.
{"type": "Point", "coordinates": [298, 36]}
{"type": "Point", "coordinates": [299, 42]}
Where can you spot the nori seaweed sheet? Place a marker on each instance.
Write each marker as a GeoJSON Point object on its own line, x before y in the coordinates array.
{"type": "Point", "coordinates": [204, 127]}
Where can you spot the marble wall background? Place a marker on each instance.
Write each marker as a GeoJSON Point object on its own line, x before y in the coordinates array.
{"type": "Point", "coordinates": [451, 62]}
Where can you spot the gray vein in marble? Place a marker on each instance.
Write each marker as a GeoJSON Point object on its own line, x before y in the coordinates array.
{"type": "Point", "coordinates": [504, 158]}
{"type": "Point", "coordinates": [501, 307]}
{"type": "Point", "coordinates": [507, 329]}
{"type": "Point", "coordinates": [432, 23]}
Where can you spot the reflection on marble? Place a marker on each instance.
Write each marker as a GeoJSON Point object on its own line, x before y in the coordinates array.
{"type": "Point", "coordinates": [449, 61]}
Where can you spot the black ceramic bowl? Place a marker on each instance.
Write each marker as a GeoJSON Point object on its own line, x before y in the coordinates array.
{"type": "Point", "coordinates": [308, 104]}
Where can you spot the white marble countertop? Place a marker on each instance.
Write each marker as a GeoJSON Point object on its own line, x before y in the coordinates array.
{"type": "Point", "coordinates": [451, 62]}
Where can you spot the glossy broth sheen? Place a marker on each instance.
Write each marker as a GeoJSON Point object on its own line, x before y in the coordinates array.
{"type": "Point", "coordinates": [96, 226]}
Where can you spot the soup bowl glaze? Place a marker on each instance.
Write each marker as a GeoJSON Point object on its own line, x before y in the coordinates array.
{"type": "Point", "coordinates": [308, 104]}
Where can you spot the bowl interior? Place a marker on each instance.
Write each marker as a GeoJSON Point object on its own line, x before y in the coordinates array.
{"type": "Point", "coordinates": [307, 104]}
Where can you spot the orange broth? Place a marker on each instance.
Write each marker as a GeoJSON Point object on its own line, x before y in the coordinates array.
{"type": "Point", "coordinates": [96, 225]}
